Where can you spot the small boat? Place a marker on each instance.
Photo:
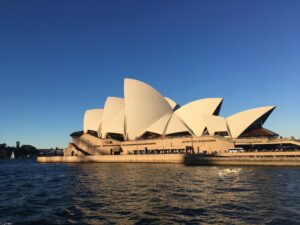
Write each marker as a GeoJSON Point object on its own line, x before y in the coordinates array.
{"type": "Point", "coordinates": [12, 156]}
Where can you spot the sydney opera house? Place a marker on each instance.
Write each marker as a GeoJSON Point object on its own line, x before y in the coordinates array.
{"type": "Point", "coordinates": [146, 122]}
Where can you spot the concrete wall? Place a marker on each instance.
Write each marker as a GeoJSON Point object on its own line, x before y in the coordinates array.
{"type": "Point", "coordinates": [203, 143]}
{"type": "Point", "coordinates": [172, 158]}
{"type": "Point", "coordinates": [92, 145]}
{"type": "Point", "coordinates": [97, 146]}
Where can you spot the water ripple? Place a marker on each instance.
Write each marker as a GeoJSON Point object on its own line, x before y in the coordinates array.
{"type": "Point", "coordinates": [32, 193]}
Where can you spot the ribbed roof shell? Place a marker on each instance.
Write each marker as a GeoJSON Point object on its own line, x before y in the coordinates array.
{"type": "Point", "coordinates": [214, 123]}
{"type": "Point", "coordinates": [92, 120]}
{"type": "Point", "coordinates": [172, 103]}
{"type": "Point", "coordinates": [159, 126]}
{"type": "Point", "coordinates": [176, 125]}
{"type": "Point", "coordinates": [239, 122]}
{"type": "Point", "coordinates": [113, 116]}
{"type": "Point", "coordinates": [191, 113]}
{"type": "Point", "coordinates": [143, 107]}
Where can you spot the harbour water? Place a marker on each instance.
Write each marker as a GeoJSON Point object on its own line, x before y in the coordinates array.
{"type": "Point", "coordinates": [95, 193]}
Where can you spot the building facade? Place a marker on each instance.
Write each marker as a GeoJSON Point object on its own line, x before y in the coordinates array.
{"type": "Point", "coordinates": [146, 122]}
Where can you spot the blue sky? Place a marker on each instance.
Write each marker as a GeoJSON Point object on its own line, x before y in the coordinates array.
{"type": "Point", "coordinates": [59, 58]}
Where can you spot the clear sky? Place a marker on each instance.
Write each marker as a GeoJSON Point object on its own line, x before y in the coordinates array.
{"type": "Point", "coordinates": [59, 58]}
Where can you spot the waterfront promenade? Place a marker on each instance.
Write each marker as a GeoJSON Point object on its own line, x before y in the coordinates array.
{"type": "Point", "coordinates": [291, 158]}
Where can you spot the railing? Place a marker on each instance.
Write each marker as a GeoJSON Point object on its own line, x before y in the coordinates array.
{"type": "Point", "coordinates": [265, 140]}
{"type": "Point", "coordinates": [261, 154]}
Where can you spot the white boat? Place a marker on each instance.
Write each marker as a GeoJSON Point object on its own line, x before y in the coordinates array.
{"type": "Point", "coordinates": [12, 156]}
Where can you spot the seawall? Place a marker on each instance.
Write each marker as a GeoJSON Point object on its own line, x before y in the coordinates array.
{"type": "Point", "coordinates": [175, 158]}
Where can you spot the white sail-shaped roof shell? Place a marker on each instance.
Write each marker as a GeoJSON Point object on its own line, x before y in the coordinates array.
{"type": "Point", "coordinates": [176, 125]}
{"type": "Point", "coordinates": [160, 125]}
{"type": "Point", "coordinates": [117, 125]}
{"type": "Point", "coordinates": [113, 116]}
{"type": "Point", "coordinates": [191, 113]}
{"type": "Point", "coordinates": [214, 124]}
{"type": "Point", "coordinates": [239, 122]}
{"type": "Point", "coordinates": [92, 120]}
{"type": "Point", "coordinates": [205, 106]}
{"type": "Point", "coordinates": [143, 107]}
{"type": "Point", "coordinates": [172, 103]}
